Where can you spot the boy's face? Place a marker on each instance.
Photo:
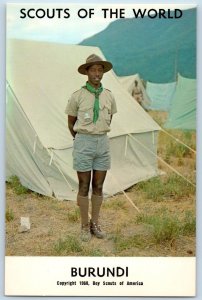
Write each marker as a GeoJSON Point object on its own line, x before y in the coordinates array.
{"type": "Point", "coordinates": [95, 74]}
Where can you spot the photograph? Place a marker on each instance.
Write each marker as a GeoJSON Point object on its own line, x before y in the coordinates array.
{"type": "Point", "coordinates": [101, 149]}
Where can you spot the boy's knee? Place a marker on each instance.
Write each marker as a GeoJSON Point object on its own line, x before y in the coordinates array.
{"type": "Point", "coordinates": [83, 189]}
{"type": "Point", "coordinates": [97, 189]}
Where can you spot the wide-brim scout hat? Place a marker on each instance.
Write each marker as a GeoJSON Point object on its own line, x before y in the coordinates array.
{"type": "Point", "coordinates": [94, 59]}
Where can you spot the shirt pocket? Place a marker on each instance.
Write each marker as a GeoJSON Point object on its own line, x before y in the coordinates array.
{"type": "Point", "coordinates": [85, 115]}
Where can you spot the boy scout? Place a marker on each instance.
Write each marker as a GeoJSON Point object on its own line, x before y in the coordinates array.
{"type": "Point", "coordinates": [90, 111]}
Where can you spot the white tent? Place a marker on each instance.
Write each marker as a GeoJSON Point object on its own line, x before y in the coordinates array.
{"type": "Point", "coordinates": [41, 77]}
{"type": "Point", "coordinates": [129, 84]}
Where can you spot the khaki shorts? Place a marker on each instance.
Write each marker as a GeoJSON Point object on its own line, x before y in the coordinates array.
{"type": "Point", "coordinates": [91, 152]}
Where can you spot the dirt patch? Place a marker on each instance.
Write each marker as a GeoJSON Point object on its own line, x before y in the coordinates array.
{"type": "Point", "coordinates": [50, 223]}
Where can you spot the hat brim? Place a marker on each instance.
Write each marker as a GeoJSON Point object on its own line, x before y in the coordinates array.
{"type": "Point", "coordinates": [107, 66]}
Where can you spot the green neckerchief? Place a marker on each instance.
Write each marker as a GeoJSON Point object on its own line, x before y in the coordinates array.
{"type": "Point", "coordinates": [96, 107]}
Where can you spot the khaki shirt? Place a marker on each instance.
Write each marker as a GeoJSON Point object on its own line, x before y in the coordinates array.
{"type": "Point", "coordinates": [81, 105]}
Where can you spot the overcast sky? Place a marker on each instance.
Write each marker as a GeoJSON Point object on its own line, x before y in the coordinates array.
{"type": "Point", "coordinates": [70, 30]}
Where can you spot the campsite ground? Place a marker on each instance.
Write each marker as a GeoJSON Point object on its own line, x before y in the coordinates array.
{"type": "Point", "coordinates": [164, 226]}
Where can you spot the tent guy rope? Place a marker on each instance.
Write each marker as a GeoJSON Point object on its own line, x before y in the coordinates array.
{"type": "Point", "coordinates": [173, 169]}
{"type": "Point", "coordinates": [128, 198]}
{"type": "Point", "coordinates": [177, 140]}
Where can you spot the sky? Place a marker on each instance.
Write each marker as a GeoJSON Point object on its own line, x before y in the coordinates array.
{"type": "Point", "coordinates": [70, 30]}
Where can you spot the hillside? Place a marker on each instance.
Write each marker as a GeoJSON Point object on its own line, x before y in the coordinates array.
{"type": "Point", "coordinates": [155, 48]}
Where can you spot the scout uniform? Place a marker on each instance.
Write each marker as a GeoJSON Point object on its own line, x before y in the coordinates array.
{"type": "Point", "coordinates": [91, 145]}
{"type": "Point", "coordinates": [93, 109]}
{"type": "Point", "coordinates": [81, 105]}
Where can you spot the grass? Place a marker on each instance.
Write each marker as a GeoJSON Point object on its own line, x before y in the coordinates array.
{"type": "Point", "coordinates": [177, 150]}
{"type": "Point", "coordinates": [167, 227]}
{"type": "Point", "coordinates": [93, 252]}
{"type": "Point", "coordinates": [189, 225]}
{"type": "Point", "coordinates": [72, 245]}
{"type": "Point", "coordinates": [115, 204]}
{"type": "Point", "coordinates": [190, 139]}
{"type": "Point", "coordinates": [171, 187]}
{"type": "Point", "coordinates": [170, 149]}
{"type": "Point", "coordinates": [73, 215]}
{"type": "Point", "coordinates": [15, 183]}
{"type": "Point", "coordinates": [159, 118]}
{"type": "Point", "coordinates": [9, 215]}
{"type": "Point", "coordinates": [68, 246]}
{"type": "Point", "coordinates": [122, 243]}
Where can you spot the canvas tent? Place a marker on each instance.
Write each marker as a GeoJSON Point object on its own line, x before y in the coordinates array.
{"type": "Point", "coordinates": [182, 114]}
{"type": "Point", "coordinates": [41, 77]}
{"type": "Point", "coordinates": [128, 83]}
{"type": "Point", "coordinates": [161, 95]}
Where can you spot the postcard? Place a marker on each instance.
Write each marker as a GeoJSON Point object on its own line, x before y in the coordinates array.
{"type": "Point", "coordinates": [100, 149]}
